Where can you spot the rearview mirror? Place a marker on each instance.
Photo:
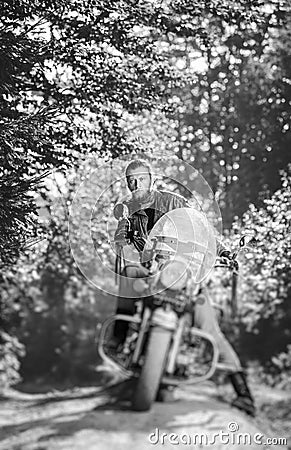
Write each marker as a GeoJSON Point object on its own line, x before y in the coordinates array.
{"type": "Point", "coordinates": [120, 211]}
{"type": "Point", "coordinates": [248, 240]}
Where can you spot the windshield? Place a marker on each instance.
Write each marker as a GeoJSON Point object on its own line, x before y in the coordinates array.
{"type": "Point", "coordinates": [184, 234]}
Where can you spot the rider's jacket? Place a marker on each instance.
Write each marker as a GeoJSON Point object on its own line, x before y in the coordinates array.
{"type": "Point", "coordinates": [160, 202]}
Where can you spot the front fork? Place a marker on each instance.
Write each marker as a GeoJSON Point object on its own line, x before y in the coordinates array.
{"type": "Point", "coordinates": [160, 317]}
{"type": "Point", "coordinates": [174, 350]}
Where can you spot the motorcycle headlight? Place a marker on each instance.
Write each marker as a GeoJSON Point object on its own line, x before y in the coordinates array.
{"type": "Point", "coordinates": [174, 275]}
{"type": "Point", "coordinates": [140, 285]}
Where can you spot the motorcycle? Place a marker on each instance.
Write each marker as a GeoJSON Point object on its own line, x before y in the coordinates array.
{"type": "Point", "coordinates": [162, 346]}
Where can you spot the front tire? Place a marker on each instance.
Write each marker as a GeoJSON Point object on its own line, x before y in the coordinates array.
{"type": "Point", "coordinates": [152, 370]}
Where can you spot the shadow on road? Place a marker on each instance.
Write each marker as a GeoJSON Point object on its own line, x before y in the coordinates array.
{"type": "Point", "coordinates": [106, 418]}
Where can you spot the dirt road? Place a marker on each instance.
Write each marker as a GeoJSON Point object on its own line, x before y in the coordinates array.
{"type": "Point", "coordinates": [92, 419]}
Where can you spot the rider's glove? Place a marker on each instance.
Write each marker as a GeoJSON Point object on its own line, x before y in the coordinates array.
{"type": "Point", "coordinates": [225, 254]}
{"type": "Point", "coordinates": [229, 259]}
{"type": "Point", "coordinates": [121, 236]}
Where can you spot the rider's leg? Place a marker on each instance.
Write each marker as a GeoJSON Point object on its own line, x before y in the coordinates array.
{"type": "Point", "coordinates": [244, 398]}
{"type": "Point", "coordinates": [126, 299]}
{"type": "Point", "coordinates": [205, 318]}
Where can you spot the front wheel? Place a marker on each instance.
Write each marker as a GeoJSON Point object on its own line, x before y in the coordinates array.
{"type": "Point", "coordinates": [152, 370]}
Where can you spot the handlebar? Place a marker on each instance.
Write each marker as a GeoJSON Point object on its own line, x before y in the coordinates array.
{"type": "Point", "coordinates": [230, 264]}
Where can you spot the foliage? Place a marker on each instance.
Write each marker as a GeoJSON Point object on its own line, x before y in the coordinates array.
{"type": "Point", "coordinates": [69, 71]}
{"type": "Point", "coordinates": [73, 70]}
{"type": "Point", "coordinates": [52, 309]}
{"type": "Point", "coordinates": [265, 283]}
{"type": "Point", "coordinates": [277, 373]}
{"type": "Point", "coordinates": [261, 330]}
{"type": "Point", "coordinates": [101, 79]}
{"type": "Point", "coordinates": [281, 365]}
{"type": "Point", "coordinates": [11, 350]}
{"type": "Point", "coordinates": [232, 121]}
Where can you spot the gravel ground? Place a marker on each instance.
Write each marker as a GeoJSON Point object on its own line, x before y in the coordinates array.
{"type": "Point", "coordinates": [94, 418]}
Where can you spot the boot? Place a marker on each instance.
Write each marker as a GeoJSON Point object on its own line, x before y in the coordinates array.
{"type": "Point", "coordinates": [244, 400]}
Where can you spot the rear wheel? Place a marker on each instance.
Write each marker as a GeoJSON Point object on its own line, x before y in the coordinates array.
{"type": "Point", "coordinates": [152, 370]}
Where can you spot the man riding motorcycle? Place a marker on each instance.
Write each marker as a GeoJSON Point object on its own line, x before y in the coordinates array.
{"type": "Point", "coordinates": [146, 207]}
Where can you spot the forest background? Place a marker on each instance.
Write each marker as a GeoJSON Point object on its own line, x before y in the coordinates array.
{"type": "Point", "coordinates": [86, 81]}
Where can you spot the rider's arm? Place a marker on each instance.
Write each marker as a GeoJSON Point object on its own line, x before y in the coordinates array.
{"type": "Point", "coordinates": [221, 249]}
